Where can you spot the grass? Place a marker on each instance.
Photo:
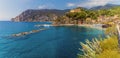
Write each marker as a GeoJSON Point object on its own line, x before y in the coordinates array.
{"type": "Point", "coordinates": [102, 48]}
{"type": "Point", "coordinates": [109, 43]}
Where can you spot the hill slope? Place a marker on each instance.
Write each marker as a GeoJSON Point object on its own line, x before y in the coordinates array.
{"type": "Point", "coordinates": [107, 6]}
{"type": "Point", "coordinates": [32, 15]}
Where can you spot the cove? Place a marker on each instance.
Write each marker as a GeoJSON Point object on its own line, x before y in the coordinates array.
{"type": "Point", "coordinates": [55, 42]}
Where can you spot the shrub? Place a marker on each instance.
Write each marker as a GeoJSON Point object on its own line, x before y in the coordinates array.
{"type": "Point", "coordinates": [105, 48]}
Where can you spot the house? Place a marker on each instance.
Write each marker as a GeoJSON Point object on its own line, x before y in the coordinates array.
{"type": "Point", "coordinates": [75, 10]}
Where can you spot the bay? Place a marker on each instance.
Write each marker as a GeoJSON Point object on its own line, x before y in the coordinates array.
{"type": "Point", "coordinates": [55, 42]}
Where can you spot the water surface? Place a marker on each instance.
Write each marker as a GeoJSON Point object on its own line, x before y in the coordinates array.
{"type": "Point", "coordinates": [55, 42]}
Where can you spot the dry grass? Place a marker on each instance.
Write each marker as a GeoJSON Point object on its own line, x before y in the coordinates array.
{"type": "Point", "coordinates": [106, 48]}
{"type": "Point", "coordinates": [109, 54]}
{"type": "Point", "coordinates": [110, 43]}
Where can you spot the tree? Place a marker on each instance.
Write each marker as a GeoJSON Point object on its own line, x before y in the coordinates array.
{"type": "Point", "coordinates": [92, 15]}
{"type": "Point", "coordinates": [81, 16]}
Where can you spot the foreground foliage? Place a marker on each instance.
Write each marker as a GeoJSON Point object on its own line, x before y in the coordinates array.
{"type": "Point", "coordinates": [102, 48]}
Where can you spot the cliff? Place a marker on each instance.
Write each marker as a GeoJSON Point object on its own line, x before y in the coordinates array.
{"type": "Point", "coordinates": [32, 15]}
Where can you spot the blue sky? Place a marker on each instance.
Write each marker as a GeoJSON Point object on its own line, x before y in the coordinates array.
{"type": "Point", "coordinates": [12, 8]}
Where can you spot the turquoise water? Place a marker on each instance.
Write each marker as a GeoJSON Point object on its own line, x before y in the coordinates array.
{"type": "Point", "coordinates": [55, 42]}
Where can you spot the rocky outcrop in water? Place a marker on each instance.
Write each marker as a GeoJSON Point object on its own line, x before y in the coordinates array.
{"type": "Point", "coordinates": [32, 15]}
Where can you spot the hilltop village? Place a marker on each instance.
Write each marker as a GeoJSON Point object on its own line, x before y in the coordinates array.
{"type": "Point", "coordinates": [82, 16]}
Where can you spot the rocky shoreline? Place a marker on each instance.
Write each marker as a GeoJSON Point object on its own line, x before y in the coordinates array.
{"type": "Point", "coordinates": [97, 26]}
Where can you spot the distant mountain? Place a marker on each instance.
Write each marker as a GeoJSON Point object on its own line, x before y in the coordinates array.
{"type": "Point", "coordinates": [107, 6]}
{"type": "Point", "coordinates": [33, 15]}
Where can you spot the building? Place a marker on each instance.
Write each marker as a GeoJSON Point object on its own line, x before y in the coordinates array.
{"type": "Point", "coordinates": [75, 10]}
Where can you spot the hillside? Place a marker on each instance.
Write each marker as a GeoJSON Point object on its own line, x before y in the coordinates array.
{"type": "Point", "coordinates": [33, 15]}
{"type": "Point", "coordinates": [40, 15]}
{"type": "Point", "coordinates": [85, 16]}
{"type": "Point", "coordinates": [107, 6]}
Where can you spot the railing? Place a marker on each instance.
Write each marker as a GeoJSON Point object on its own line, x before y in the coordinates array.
{"type": "Point", "coordinates": [118, 30]}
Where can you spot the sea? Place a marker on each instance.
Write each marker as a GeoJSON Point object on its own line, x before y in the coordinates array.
{"type": "Point", "coordinates": [54, 42]}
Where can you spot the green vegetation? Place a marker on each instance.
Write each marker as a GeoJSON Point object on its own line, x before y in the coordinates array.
{"type": "Point", "coordinates": [111, 30]}
{"type": "Point", "coordinates": [102, 47]}
{"type": "Point", "coordinates": [85, 16]}
{"type": "Point", "coordinates": [99, 47]}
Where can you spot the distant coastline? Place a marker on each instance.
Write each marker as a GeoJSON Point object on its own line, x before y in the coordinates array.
{"type": "Point", "coordinates": [75, 17]}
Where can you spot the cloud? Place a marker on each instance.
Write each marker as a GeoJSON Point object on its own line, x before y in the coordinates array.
{"type": "Point", "coordinates": [70, 4]}
{"type": "Point", "coordinates": [93, 3]}
{"type": "Point", "coordinates": [46, 6]}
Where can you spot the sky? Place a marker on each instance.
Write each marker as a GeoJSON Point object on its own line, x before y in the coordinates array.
{"type": "Point", "coordinates": [11, 8]}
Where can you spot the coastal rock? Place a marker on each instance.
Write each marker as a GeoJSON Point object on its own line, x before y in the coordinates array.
{"type": "Point", "coordinates": [106, 26]}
